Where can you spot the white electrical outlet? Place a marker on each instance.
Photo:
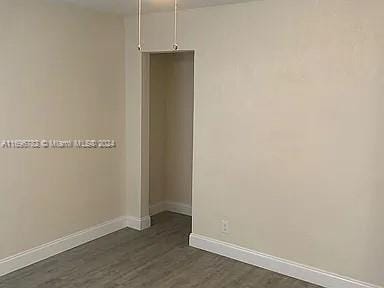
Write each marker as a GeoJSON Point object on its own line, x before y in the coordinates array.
{"type": "Point", "coordinates": [225, 226]}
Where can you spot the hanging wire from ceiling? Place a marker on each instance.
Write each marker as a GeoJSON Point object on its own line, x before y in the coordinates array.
{"type": "Point", "coordinates": [140, 4]}
{"type": "Point", "coordinates": [175, 45]}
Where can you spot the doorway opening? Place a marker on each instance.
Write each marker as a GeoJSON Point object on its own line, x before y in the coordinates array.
{"type": "Point", "coordinates": [168, 117]}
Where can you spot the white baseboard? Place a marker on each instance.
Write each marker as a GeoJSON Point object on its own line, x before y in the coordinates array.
{"type": "Point", "coordinates": [138, 223]}
{"type": "Point", "coordinates": [34, 255]}
{"type": "Point", "coordinates": [179, 208]}
{"type": "Point", "coordinates": [157, 208]}
{"type": "Point", "coordinates": [176, 207]}
{"type": "Point", "coordinates": [282, 266]}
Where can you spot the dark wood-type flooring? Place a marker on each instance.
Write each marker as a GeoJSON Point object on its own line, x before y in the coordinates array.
{"type": "Point", "coordinates": [157, 258]}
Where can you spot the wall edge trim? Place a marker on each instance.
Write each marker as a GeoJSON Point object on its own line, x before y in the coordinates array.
{"type": "Point", "coordinates": [275, 264]}
{"type": "Point", "coordinates": [44, 251]}
{"type": "Point", "coordinates": [176, 207]}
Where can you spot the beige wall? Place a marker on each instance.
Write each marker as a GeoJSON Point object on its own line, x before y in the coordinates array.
{"type": "Point", "coordinates": [133, 119]}
{"type": "Point", "coordinates": [288, 127]}
{"type": "Point", "coordinates": [159, 86]}
{"type": "Point", "coordinates": [61, 77]}
{"type": "Point", "coordinates": [171, 129]}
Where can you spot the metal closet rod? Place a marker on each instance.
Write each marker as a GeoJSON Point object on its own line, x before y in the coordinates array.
{"type": "Point", "coordinates": [175, 45]}
{"type": "Point", "coordinates": [139, 25]}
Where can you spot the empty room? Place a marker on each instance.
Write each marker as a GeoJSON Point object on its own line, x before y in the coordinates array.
{"type": "Point", "coordinates": [192, 143]}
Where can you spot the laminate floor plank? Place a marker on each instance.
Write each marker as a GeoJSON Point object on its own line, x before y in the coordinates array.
{"type": "Point", "coordinates": [158, 257]}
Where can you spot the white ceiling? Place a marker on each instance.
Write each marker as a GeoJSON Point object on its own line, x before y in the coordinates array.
{"type": "Point", "coordinates": [129, 7]}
